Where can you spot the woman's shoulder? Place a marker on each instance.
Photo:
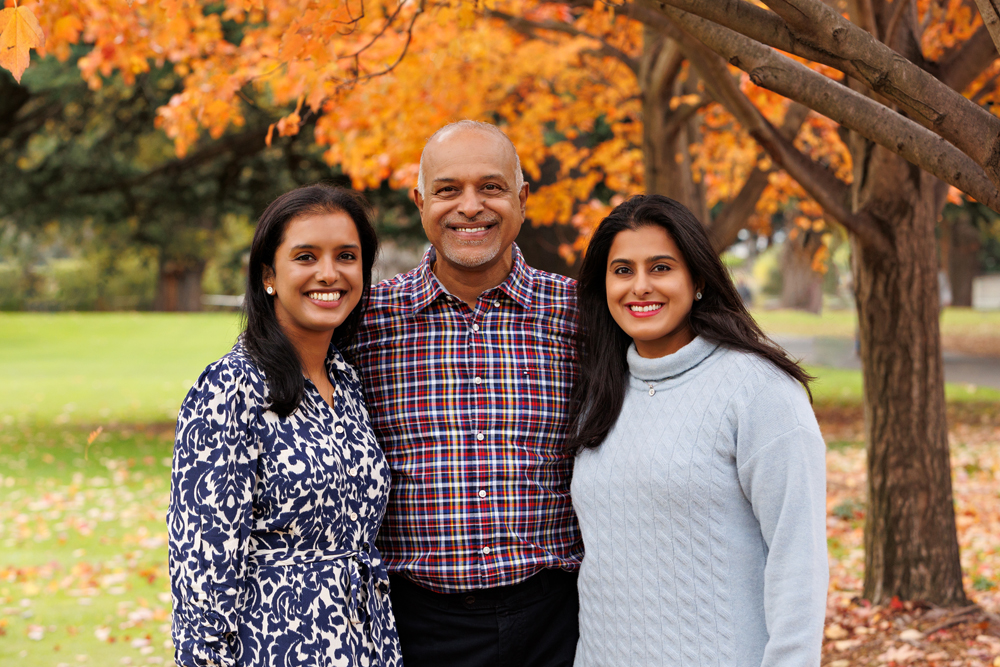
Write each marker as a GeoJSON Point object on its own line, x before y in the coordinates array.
{"type": "Point", "coordinates": [765, 394]}
{"type": "Point", "coordinates": [759, 378]}
{"type": "Point", "coordinates": [235, 370]}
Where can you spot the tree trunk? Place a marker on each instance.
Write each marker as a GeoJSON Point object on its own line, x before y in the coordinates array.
{"type": "Point", "coordinates": [667, 133]}
{"type": "Point", "coordinates": [911, 546]}
{"type": "Point", "coordinates": [802, 287]}
{"type": "Point", "coordinates": [963, 264]}
{"type": "Point", "coordinates": [178, 286]}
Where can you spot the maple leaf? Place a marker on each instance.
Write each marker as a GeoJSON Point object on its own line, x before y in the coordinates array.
{"type": "Point", "coordinates": [19, 33]}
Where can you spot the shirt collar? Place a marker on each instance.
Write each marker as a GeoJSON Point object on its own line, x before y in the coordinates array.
{"type": "Point", "coordinates": [518, 285]}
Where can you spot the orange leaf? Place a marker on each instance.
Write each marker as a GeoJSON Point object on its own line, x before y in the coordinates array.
{"type": "Point", "coordinates": [19, 33]}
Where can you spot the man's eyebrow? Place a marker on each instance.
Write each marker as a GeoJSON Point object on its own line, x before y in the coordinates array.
{"type": "Point", "coordinates": [487, 177]}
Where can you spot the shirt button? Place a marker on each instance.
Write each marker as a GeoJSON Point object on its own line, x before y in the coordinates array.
{"type": "Point", "coordinates": [486, 551]}
{"type": "Point", "coordinates": [475, 327]}
{"type": "Point", "coordinates": [477, 380]}
{"type": "Point", "coordinates": [339, 429]}
{"type": "Point", "coordinates": [496, 303]}
{"type": "Point", "coordinates": [352, 472]}
{"type": "Point", "coordinates": [354, 516]}
{"type": "Point", "coordinates": [482, 494]}
{"type": "Point", "coordinates": [480, 436]}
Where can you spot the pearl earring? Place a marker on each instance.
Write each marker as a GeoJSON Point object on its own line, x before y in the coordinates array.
{"type": "Point", "coordinates": [269, 289]}
{"type": "Point", "coordinates": [697, 296]}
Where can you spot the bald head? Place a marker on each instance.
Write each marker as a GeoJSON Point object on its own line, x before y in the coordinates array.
{"type": "Point", "coordinates": [463, 126]}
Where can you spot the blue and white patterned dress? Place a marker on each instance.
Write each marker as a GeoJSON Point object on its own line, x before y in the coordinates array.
{"type": "Point", "coordinates": [272, 526]}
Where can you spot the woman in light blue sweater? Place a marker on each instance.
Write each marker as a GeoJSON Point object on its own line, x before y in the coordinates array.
{"type": "Point", "coordinates": [700, 479]}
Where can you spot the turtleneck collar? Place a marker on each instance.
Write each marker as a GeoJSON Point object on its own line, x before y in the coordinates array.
{"type": "Point", "coordinates": [671, 365]}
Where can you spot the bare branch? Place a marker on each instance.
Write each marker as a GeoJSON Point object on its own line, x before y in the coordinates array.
{"type": "Point", "coordinates": [990, 11]}
{"type": "Point", "coordinates": [781, 74]}
{"type": "Point", "coordinates": [530, 28]}
{"type": "Point", "coordinates": [971, 128]}
{"type": "Point", "coordinates": [830, 192]}
{"type": "Point", "coordinates": [811, 29]}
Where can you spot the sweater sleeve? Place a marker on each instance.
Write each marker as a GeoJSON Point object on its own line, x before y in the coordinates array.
{"type": "Point", "coordinates": [210, 514]}
{"type": "Point", "coordinates": [782, 470]}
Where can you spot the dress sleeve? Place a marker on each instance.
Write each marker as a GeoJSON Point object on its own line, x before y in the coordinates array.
{"type": "Point", "coordinates": [210, 513]}
{"type": "Point", "coordinates": [782, 470]}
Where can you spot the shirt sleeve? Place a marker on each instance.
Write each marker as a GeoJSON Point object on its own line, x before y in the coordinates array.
{"type": "Point", "coordinates": [782, 471]}
{"type": "Point", "coordinates": [210, 514]}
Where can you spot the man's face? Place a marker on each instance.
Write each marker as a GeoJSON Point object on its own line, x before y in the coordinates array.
{"type": "Point", "coordinates": [470, 210]}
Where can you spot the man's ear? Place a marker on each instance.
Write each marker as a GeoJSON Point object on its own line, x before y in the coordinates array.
{"type": "Point", "coordinates": [417, 198]}
{"type": "Point", "coordinates": [523, 197]}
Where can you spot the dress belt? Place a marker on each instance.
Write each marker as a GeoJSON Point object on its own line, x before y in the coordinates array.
{"type": "Point", "coordinates": [357, 561]}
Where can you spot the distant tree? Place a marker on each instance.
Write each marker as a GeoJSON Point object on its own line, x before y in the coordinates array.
{"type": "Point", "coordinates": [71, 153]}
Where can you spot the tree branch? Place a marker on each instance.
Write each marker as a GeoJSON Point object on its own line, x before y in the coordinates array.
{"type": "Point", "coordinates": [868, 118]}
{"type": "Point", "coordinates": [990, 11]}
{"type": "Point", "coordinates": [529, 28]}
{"type": "Point", "coordinates": [812, 30]}
{"type": "Point", "coordinates": [975, 131]}
{"type": "Point", "coordinates": [829, 192]}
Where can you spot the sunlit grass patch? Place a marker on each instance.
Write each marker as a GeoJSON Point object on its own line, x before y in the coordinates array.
{"type": "Point", "coordinates": [104, 367]}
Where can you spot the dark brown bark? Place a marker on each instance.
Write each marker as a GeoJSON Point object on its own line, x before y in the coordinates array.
{"type": "Point", "coordinates": [802, 288]}
{"type": "Point", "coordinates": [178, 286]}
{"type": "Point", "coordinates": [911, 547]}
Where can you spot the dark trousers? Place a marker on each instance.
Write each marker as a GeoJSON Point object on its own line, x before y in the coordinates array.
{"type": "Point", "coordinates": [530, 624]}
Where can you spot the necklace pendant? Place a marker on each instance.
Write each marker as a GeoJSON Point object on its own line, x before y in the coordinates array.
{"type": "Point", "coordinates": [652, 391]}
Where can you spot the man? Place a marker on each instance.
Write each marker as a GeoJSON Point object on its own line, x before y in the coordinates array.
{"type": "Point", "coordinates": [468, 362]}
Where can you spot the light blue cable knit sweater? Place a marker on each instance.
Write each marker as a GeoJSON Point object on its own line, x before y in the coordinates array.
{"type": "Point", "coordinates": [704, 519]}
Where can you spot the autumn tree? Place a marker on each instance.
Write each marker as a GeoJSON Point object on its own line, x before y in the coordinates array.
{"type": "Point", "coordinates": [892, 75]}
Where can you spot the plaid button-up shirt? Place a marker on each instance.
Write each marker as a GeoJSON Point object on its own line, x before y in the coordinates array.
{"type": "Point", "coordinates": [470, 405]}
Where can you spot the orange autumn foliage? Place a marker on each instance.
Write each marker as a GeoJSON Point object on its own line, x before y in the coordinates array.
{"type": "Point", "coordinates": [375, 77]}
{"type": "Point", "coordinates": [19, 33]}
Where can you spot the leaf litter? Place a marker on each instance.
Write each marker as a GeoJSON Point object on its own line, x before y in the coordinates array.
{"type": "Point", "coordinates": [103, 526]}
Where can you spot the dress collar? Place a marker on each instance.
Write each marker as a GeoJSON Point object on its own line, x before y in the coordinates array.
{"type": "Point", "coordinates": [335, 361]}
{"type": "Point", "coordinates": [672, 365]}
{"type": "Point", "coordinates": [518, 285]}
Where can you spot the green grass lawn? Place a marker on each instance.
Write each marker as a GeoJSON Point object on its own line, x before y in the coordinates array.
{"type": "Point", "coordinates": [842, 323]}
{"type": "Point", "coordinates": [83, 576]}
{"type": "Point", "coordinates": [105, 367]}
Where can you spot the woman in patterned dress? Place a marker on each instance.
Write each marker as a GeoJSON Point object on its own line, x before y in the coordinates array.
{"type": "Point", "coordinates": [278, 483]}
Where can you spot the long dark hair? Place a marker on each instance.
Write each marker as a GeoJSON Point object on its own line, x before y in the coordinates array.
{"type": "Point", "coordinates": [719, 316]}
{"type": "Point", "coordinates": [263, 337]}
